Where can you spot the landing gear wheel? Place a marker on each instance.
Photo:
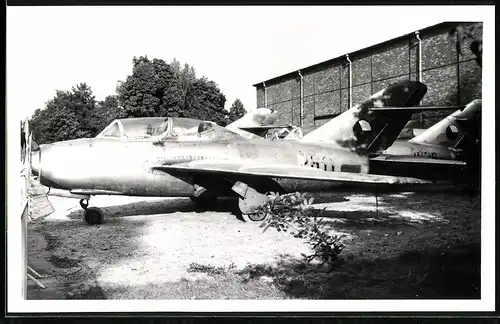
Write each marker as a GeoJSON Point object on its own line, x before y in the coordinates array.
{"type": "Point", "coordinates": [204, 202]}
{"type": "Point", "coordinates": [93, 216]}
{"type": "Point", "coordinates": [253, 218]}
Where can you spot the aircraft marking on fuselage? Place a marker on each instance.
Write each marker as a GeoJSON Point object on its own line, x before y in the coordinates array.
{"type": "Point", "coordinates": [432, 155]}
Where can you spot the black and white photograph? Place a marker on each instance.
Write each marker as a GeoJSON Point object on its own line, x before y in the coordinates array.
{"type": "Point", "coordinates": [250, 158]}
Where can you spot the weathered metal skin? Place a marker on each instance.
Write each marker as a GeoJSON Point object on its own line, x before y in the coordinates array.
{"type": "Point", "coordinates": [110, 164]}
{"type": "Point", "coordinates": [436, 141]}
{"type": "Point", "coordinates": [405, 148]}
{"type": "Point", "coordinates": [441, 133]}
{"type": "Point", "coordinates": [125, 167]}
{"type": "Point", "coordinates": [384, 126]}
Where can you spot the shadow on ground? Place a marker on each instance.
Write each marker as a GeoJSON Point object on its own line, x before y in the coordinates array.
{"type": "Point", "coordinates": [440, 273]}
{"type": "Point", "coordinates": [452, 273]}
{"type": "Point", "coordinates": [366, 220]}
{"type": "Point", "coordinates": [166, 206]}
{"type": "Point", "coordinates": [68, 253]}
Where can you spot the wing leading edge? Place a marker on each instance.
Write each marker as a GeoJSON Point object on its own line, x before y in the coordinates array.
{"type": "Point", "coordinates": [416, 160]}
{"type": "Point", "coordinates": [282, 171]}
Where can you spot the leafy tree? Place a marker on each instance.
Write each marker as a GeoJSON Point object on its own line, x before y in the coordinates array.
{"type": "Point", "coordinates": [156, 88]}
{"type": "Point", "coordinates": [202, 98]}
{"type": "Point", "coordinates": [152, 90]}
{"type": "Point", "coordinates": [106, 111]}
{"type": "Point", "coordinates": [205, 101]}
{"type": "Point", "coordinates": [186, 77]}
{"type": "Point", "coordinates": [472, 34]}
{"type": "Point", "coordinates": [237, 111]}
{"type": "Point", "coordinates": [67, 116]}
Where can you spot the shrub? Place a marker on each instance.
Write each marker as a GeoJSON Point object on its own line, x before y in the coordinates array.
{"type": "Point", "coordinates": [294, 212]}
{"type": "Point", "coordinates": [209, 269]}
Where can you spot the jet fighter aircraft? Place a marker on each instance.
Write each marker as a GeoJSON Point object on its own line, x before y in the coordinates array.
{"type": "Point", "coordinates": [435, 154]}
{"type": "Point", "coordinates": [441, 140]}
{"type": "Point", "coordinates": [227, 164]}
{"type": "Point", "coordinates": [444, 151]}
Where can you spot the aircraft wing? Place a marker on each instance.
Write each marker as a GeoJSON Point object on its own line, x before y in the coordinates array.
{"type": "Point", "coordinates": [416, 160]}
{"type": "Point", "coordinates": [244, 169]}
{"type": "Point", "coordinates": [416, 166]}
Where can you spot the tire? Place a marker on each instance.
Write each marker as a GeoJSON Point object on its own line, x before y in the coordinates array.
{"type": "Point", "coordinates": [253, 218]}
{"type": "Point", "coordinates": [93, 216]}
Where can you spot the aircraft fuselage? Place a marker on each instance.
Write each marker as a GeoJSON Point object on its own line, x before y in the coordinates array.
{"type": "Point", "coordinates": [431, 151]}
{"type": "Point", "coordinates": [114, 166]}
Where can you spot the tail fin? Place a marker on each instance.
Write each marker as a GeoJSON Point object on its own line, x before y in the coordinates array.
{"type": "Point", "coordinates": [252, 123]}
{"type": "Point", "coordinates": [452, 129]}
{"type": "Point", "coordinates": [372, 125]}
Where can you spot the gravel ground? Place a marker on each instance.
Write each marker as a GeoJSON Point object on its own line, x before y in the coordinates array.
{"type": "Point", "coordinates": [148, 244]}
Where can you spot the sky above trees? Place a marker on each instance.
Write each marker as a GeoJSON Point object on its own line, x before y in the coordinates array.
{"type": "Point", "coordinates": [51, 48]}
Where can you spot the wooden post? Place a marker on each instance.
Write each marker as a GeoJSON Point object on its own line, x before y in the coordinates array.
{"type": "Point", "coordinates": [25, 177]}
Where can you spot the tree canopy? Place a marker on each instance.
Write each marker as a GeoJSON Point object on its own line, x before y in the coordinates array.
{"type": "Point", "coordinates": [154, 89]}
{"type": "Point", "coordinates": [237, 111]}
{"type": "Point", "coordinates": [67, 116]}
{"type": "Point", "coordinates": [470, 34]}
{"type": "Point", "coordinates": [105, 112]}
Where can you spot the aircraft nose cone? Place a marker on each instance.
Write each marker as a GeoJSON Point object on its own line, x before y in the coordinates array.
{"type": "Point", "coordinates": [35, 162]}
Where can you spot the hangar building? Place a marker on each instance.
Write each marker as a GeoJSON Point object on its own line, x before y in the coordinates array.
{"type": "Point", "coordinates": [429, 55]}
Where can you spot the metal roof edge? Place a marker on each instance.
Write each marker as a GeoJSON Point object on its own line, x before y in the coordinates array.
{"type": "Point", "coordinates": [364, 50]}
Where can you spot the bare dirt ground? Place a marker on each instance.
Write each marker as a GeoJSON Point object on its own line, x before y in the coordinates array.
{"type": "Point", "coordinates": [418, 245]}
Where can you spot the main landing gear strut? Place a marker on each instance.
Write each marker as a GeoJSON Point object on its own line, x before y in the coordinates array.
{"type": "Point", "coordinates": [92, 215]}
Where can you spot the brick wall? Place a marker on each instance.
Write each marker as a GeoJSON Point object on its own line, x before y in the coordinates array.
{"type": "Point", "coordinates": [452, 79]}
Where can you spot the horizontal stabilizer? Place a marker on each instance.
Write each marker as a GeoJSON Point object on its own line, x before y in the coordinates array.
{"type": "Point", "coordinates": [283, 171]}
{"type": "Point", "coordinates": [407, 109]}
{"type": "Point", "coordinates": [464, 119]}
{"type": "Point", "coordinates": [417, 108]}
{"type": "Point", "coordinates": [329, 116]}
{"type": "Point", "coordinates": [258, 129]}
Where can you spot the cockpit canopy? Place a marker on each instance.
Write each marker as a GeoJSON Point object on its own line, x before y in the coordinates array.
{"type": "Point", "coordinates": [135, 128]}
{"type": "Point", "coordinates": [166, 128]}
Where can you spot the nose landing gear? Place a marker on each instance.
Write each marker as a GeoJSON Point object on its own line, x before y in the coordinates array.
{"type": "Point", "coordinates": [92, 215]}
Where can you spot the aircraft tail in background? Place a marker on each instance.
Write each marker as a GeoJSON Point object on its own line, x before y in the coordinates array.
{"type": "Point", "coordinates": [374, 124]}
{"type": "Point", "coordinates": [452, 129]}
{"type": "Point", "coordinates": [255, 123]}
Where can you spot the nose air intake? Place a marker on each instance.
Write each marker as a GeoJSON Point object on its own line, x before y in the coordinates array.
{"type": "Point", "coordinates": [36, 157]}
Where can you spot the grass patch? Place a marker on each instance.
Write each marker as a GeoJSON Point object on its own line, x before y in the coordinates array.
{"type": "Point", "coordinates": [227, 286]}
{"type": "Point", "coordinates": [63, 262]}
{"type": "Point", "coordinates": [441, 273]}
{"type": "Point", "coordinates": [209, 269]}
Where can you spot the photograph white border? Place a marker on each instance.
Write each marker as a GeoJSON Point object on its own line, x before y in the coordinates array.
{"type": "Point", "coordinates": [16, 303]}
